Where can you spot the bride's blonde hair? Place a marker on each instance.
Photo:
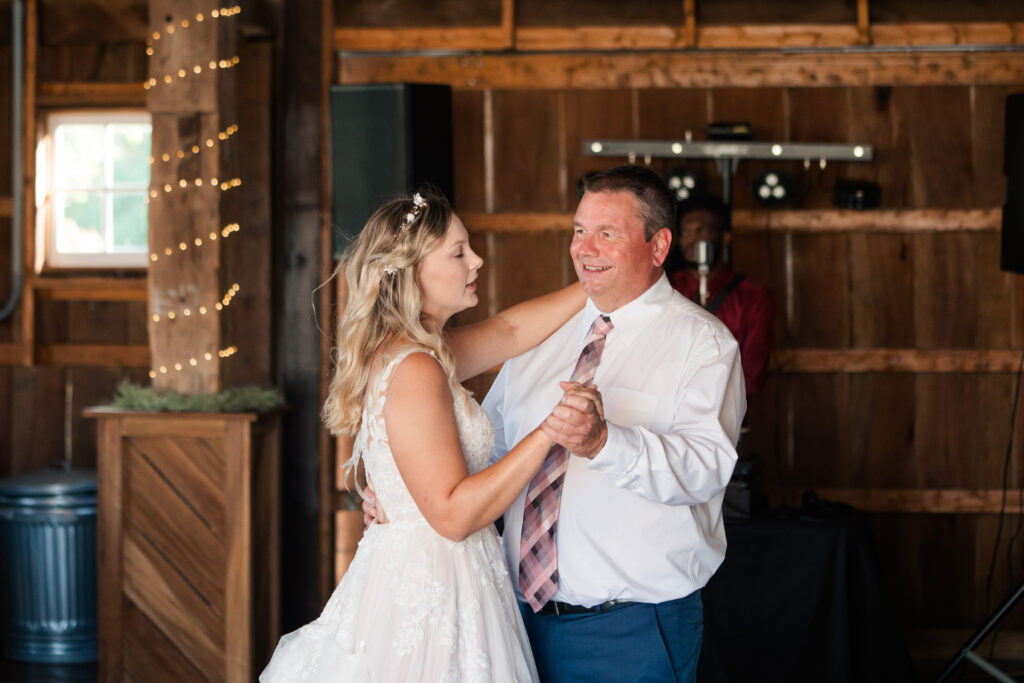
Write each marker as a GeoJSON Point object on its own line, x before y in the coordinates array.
{"type": "Point", "coordinates": [385, 307]}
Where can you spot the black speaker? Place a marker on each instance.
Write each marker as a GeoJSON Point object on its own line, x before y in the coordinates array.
{"type": "Point", "coordinates": [386, 140]}
{"type": "Point", "coordinates": [1012, 253]}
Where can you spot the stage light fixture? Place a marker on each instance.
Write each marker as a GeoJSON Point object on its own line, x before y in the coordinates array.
{"type": "Point", "coordinates": [772, 188]}
{"type": "Point", "coordinates": [683, 182]}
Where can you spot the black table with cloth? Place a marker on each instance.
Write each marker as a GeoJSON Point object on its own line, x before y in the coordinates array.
{"type": "Point", "coordinates": [800, 598]}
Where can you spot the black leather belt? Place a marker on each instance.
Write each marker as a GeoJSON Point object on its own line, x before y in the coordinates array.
{"type": "Point", "coordinates": [560, 608]}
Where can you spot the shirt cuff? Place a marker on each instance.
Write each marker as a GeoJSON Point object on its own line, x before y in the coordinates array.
{"type": "Point", "coordinates": [619, 453]}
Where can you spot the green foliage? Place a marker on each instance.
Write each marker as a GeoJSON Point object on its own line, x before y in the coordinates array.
{"type": "Point", "coordinates": [235, 400]}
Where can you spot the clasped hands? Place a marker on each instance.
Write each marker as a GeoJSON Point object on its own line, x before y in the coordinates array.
{"type": "Point", "coordinates": [575, 423]}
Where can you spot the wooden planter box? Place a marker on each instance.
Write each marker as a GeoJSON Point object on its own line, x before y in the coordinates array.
{"type": "Point", "coordinates": [187, 545]}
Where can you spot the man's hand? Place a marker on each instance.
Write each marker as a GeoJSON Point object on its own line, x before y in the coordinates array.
{"type": "Point", "coordinates": [577, 422]}
{"type": "Point", "coordinates": [370, 513]}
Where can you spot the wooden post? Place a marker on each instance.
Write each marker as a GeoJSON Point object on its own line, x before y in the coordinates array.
{"type": "Point", "coordinates": [690, 23]}
{"type": "Point", "coordinates": [194, 188]}
{"type": "Point", "coordinates": [863, 22]}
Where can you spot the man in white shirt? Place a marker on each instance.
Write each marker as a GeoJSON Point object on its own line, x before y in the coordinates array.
{"type": "Point", "coordinates": [639, 528]}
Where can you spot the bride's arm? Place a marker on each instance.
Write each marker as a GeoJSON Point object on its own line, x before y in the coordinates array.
{"type": "Point", "coordinates": [483, 345]}
{"type": "Point", "coordinates": [420, 422]}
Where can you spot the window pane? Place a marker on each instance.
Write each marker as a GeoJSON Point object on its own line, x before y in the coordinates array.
{"type": "Point", "coordinates": [79, 222]}
{"type": "Point", "coordinates": [131, 154]}
{"type": "Point", "coordinates": [130, 221]}
{"type": "Point", "coordinates": [79, 161]}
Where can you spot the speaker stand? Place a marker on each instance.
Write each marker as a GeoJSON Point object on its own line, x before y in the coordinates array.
{"type": "Point", "coordinates": [967, 651]}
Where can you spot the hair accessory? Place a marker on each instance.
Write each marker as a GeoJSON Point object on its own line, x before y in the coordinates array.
{"type": "Point", "coordinates": [418, 202]}
{"type": "Point", "coordinates": [390, 269]}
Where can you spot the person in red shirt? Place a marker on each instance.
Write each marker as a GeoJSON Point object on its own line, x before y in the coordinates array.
{"type": "Point", "coordinates": [745, 307]}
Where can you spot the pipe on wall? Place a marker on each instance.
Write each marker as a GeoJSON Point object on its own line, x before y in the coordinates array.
{"type": "Point", "coordinates": [17, 171]}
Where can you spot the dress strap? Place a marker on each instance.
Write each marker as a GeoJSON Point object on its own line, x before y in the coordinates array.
{"type": "Point", "coordinates": [373, 405]}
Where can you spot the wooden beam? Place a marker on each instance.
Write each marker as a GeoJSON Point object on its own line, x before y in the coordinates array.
{"type": "Point", "coordinates": [92, 95]}
{"type": "Point", "coordinates": [508, 22]}
{"type": "Point", "coordinates": [744, 221]}
{"type": "Point", "coordinates": [425, 38]}
{"type": "Point", "coordinates": [517, 222]}
{"type": "Point", "coordinates": [672, 36]}
{"type": "Point", "coordinates": [863, 22]}
{"type": "Point", "coordinates": [11, 354]}
{"type": "Point", "coordinates": [327, 461]}
{"type": "Point", "coordinates": [690, 22]}
{"type": "Point", "coordinates": [92, 289]}
{"type": "Point", "coordinates": [548, 38]}
{"type": "Point", "coordinates": [893, 360]}
{"type": "Point", "coordinates": [776, 36]}
{"type": "Point", "coordinates": [6, 207]}
{"type": "Point", "coordinates": [918, 501]}
{"type": "Point", "coordinates": [950, 33]}
{"type": "Point", "coordinates": [848, 220]}
{"type": "Point", "coordinates": [103, 355]}
{"type": "Point", "coordinates": [688, 70]}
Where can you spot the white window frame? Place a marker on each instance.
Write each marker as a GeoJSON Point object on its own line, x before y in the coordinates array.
{"type": "Point", "coordinates": [47, 256]}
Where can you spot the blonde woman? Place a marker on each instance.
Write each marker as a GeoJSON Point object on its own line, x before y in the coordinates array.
{"type": "Point", "coordinates": [428, 596]}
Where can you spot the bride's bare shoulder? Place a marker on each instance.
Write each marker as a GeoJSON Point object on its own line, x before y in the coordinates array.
{"type": "Point", "coordinates": [413, 360]}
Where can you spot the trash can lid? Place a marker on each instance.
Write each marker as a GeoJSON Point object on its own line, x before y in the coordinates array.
{"type": "Point", "coordinates": [48, 483]}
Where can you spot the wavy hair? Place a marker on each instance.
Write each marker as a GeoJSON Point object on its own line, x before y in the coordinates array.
{"type": "Point", "coordinates": [385, 307]}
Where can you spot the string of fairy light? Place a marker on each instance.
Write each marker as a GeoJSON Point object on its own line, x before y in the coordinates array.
{"type": "Point", "coordinates": [179, 75]}
{"type": "Point", "coordinates": [194, 361]}
{"type": "Point", "coordinates": [226, 231]}
{"type": "Point", "coordinates": [186, 312]}
{"type": "Point", "coordinates": [187, 152]}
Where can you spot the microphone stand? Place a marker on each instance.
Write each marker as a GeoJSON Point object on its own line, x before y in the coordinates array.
{"type": "Point", "coordinates": [703, 256]}
{"type": "Point", "coordinates": [703, 269]}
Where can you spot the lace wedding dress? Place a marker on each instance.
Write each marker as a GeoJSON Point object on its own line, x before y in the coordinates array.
{"type": "Point", "coordinates": [413, 606]}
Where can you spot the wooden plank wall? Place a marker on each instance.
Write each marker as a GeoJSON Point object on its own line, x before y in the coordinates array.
{"type": "Point", "coordinates": [897, 336]}
{"type": "Point", "coordinates": [41, 405]}
{"type": "Point", "coordinates": [76, 335]}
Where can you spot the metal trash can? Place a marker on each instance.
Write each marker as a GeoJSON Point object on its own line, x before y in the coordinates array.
{"type": "Point", "coordinates": [48, 566]}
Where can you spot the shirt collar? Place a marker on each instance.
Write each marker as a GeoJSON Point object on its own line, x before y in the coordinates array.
{"type": "Point", "coordinates": [625, 316]}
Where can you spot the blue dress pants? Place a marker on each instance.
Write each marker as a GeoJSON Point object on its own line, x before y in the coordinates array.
{"type": "Point", "coordinates": [638, 642]}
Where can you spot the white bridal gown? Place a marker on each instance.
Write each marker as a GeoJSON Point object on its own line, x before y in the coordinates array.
{"type": "Point", "coordinates": [413, 606]}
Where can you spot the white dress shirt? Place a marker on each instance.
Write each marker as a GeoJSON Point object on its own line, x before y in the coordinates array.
{"type": "Point", "coordinates": [642, 521]}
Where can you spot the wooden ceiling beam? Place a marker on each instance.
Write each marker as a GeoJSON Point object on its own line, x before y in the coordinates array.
{"type": "Point", "coordinates": [779, 221]}
{"type": "Point", "coordinates": [92, 289]}
{"type": "Point", "coordinates": [893, 360]}
{"type": "Point", "coordinates": [875, 220]}
{"type": "Point", "coordinates": [482, 38]}
{"type": "Point", "coordinates": [82, 94]}
{"type": "Point", "coordinates": [687, 35]}
{"type": "Point", "coordinates": [688, 70]}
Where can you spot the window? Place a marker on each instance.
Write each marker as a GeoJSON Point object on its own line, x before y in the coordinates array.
{"type": "Point", "coordinates": [93, 170]}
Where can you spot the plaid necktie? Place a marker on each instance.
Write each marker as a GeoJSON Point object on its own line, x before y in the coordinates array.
{"type": "Point", "coordinates": [538, 557]}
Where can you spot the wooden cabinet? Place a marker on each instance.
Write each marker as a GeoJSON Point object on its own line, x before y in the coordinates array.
{"type": "Point", "coordinates": [187, 544]}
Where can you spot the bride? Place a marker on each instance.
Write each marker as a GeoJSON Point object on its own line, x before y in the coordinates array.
{"type": "Point", "coordinates": [427, 596]}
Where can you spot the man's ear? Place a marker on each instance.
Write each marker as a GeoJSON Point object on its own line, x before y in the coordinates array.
{"type": "Point", "coordinates": [661, 243]}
